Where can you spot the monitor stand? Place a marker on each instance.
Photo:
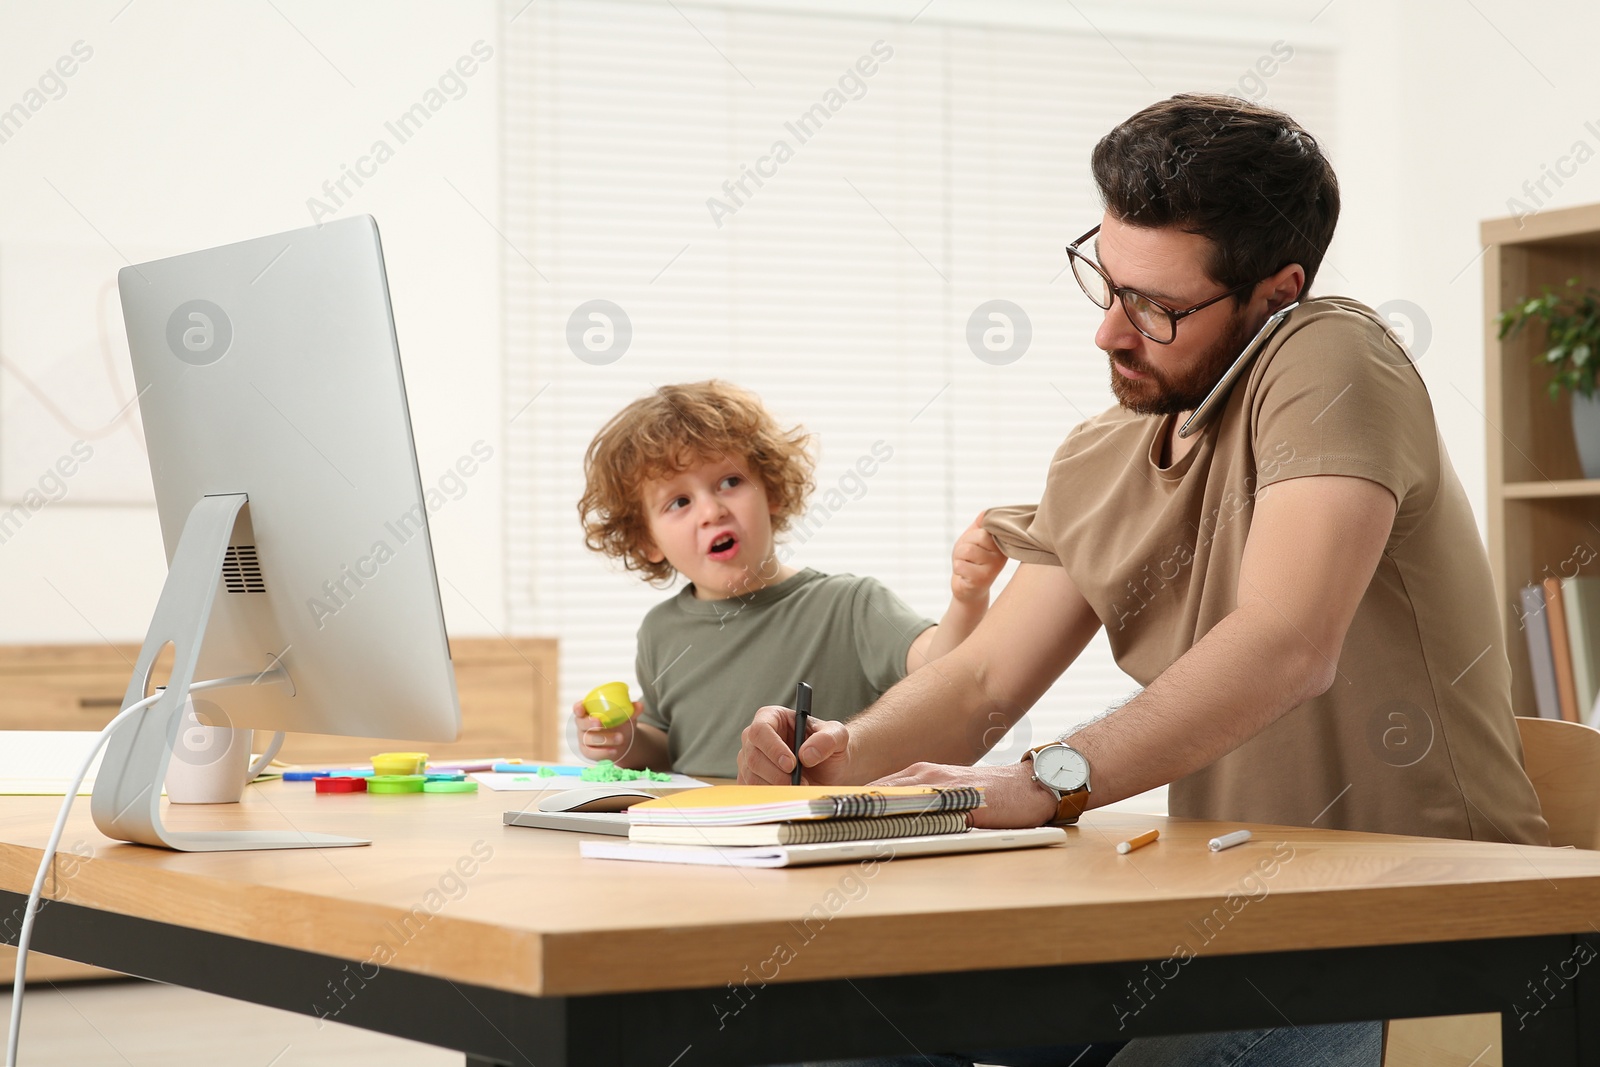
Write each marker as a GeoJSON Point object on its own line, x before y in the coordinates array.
{"type": "Point", "coordinates": [127, 790]}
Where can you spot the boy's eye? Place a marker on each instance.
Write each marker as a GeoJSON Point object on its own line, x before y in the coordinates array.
{"type": "Point", "coordinates": [677, 502]}
{"type": "Point", "coordinates": [732, 481]}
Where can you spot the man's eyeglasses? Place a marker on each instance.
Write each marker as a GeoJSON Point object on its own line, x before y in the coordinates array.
{"type": "Point", "coordinates": [1149, 316]}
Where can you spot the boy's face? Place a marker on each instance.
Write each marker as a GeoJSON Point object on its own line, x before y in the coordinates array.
{"type": "Point", "coordinates": [713, 524]}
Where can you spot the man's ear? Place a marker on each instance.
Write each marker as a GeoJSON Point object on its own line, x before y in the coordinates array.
{"type": "Point", "coordinates": [1284, 287]}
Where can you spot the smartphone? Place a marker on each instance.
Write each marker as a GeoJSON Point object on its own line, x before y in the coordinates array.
{"type": "Point", "coordinates": [1219, 392]}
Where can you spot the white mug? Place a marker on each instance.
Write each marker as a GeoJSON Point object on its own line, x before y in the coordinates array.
{"type": "Point", "coordinates": [211, 764]}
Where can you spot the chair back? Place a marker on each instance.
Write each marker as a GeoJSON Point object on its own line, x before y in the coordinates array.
{"type": "Point", "coordinates": [1563, 762]}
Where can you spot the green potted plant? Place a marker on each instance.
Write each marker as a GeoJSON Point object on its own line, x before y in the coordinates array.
{"type": "Point", "coordinates": [1572, 351]}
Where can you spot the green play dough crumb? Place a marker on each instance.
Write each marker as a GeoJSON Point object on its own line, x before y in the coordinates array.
{"type": "Point", "coordinates": [607, 771]}
{"type": "Point", "coordinates": [547, 772]}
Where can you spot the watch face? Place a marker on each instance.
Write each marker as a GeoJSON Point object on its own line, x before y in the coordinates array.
{"type": "Point", "coordinates": [1061, 768]}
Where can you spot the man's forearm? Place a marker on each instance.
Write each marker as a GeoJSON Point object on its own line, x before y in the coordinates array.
{"type": "Point", "coordinates": [939, 714]}
{"type": "Point", "coordinates": [1246, 672]}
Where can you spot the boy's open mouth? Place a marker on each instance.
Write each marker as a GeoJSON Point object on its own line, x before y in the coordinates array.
{"type": "Point", "coordinates": [724, 544]}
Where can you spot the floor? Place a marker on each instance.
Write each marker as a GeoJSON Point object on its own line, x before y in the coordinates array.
{"type": "Point", "coordinates": [141, 1023]}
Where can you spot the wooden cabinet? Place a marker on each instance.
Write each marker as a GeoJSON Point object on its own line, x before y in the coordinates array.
{"type": "Point", "coordinates": [507, 688]}
{"type": "Point", "coordinates": [1544, 516]}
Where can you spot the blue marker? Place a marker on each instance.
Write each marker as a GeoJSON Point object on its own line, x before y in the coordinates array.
{"type": "Point", "coordinates": [546, 769]}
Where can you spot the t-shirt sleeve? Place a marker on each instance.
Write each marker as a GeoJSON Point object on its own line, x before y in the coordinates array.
{"type": "Point", "coordinates": [1022, 531]}
{"type": "Point", "coordinates": [885, 626]}
{"type": "Point", "coordinates": [1340, 397]}
{"type": "Point", "coordinates": [645, 671]}
{"type": "Point", "coordinates": [1013, 528]}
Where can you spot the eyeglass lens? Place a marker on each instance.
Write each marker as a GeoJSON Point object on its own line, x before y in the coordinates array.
{"type": "Point", "coordinates": [1148, 319]}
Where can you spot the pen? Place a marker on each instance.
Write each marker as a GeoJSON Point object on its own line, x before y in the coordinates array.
{"type": "Point", "coordinates": [1238, 837]}
{"type": "Point", "coordinates": [467, 765]}
{"type": "Point", "coordinates": [1125, 847]}
{"type": "Point", "coordinates": [802, 712]}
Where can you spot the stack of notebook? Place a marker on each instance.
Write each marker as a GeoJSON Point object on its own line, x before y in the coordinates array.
{"type": "Point", "coordinates": [1561, 622]}
{"type": "Point", "coordinates": [778, 826]}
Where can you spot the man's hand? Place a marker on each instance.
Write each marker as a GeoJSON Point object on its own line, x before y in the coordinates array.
{"type": "Point", "coordinates": [597, 742]}
{"type": "Point", "coordinates": [975, 563]}
{"type": "Point", "coordinates": [1011, 798]}
{"type": "Point", "coordinates": [766, 756]}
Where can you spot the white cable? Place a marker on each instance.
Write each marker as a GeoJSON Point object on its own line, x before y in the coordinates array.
{"type": "Point", "coordinates": [45, 862]}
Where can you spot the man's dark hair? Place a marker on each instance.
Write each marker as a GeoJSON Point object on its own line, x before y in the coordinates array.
{"type": "Point", "coordinates": [1247, 177]}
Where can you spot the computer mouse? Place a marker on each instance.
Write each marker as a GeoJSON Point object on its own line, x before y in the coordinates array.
{"type": "Point", "coordinates": [595, 798]}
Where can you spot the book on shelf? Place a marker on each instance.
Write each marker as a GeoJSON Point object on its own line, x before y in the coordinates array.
{"type": "Point", "coordinates": [807, 832]}
{"type": "Point", "coordinates": [1561, 649]}
{"type": "Point", "coordinates": [1581, 597]}
{"type": "Point", "coordinates": [744, 805]}
{"type": "Point", "coordinates": [1536, 629]}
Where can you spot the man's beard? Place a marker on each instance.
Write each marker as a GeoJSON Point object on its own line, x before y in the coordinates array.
{"type": "Point", "coordinates": [1159, 394]}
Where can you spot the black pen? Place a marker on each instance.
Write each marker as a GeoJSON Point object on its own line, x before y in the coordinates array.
{"type": "Point", "coordinates": [802, 712]}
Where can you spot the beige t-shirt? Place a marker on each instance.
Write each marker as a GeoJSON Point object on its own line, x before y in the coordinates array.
{"type": "Point", "coordinates": [1416, 734]}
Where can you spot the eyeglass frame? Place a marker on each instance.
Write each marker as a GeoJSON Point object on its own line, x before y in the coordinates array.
{"type": "Point", "coordinates": [1174, 315]}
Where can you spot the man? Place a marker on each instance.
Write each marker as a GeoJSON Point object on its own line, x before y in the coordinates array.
{"type": "Point", "coordinates": [1298, 584]}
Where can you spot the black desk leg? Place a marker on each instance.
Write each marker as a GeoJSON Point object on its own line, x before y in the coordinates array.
{"type": "Point", "coordinates": [1556, 1017]}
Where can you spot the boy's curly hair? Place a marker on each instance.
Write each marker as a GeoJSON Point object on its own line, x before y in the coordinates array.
{"type": "Point", "coordinates": [669, 431]}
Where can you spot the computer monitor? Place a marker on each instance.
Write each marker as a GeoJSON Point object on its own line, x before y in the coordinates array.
{"type": "Point", "coordinates": [296, 529]}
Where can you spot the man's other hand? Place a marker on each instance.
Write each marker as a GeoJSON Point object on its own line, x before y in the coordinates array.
{"type": "Point", "coordinates": [1011, 798]}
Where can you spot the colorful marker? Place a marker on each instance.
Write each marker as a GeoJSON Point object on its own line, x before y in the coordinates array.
{"type": "Point", "coordinates": [1238, 837]}
{"type": "Point", "coordinates": [1125, 847]}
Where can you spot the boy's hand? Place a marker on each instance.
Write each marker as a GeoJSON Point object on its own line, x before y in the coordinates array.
{"type": "Point", "coordinates": [975, 563]}
{"type": "Point", "coordinates": [597, 742]}
{"type": "Point", "coordinates": [766, 756]}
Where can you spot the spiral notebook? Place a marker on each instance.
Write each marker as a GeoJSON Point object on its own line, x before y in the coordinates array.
{"type": "Point", "coordinates": [807, 832]}
{"type": "Point", "coordinates": [745, 805]}
{"type": "Point", "coordinates": [837, 852]}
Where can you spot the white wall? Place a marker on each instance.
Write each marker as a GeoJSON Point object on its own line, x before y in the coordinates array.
{"type": "Point", "coordinates": [1479, 99]}
{"type": "Point", "coordinates": [197, 124]}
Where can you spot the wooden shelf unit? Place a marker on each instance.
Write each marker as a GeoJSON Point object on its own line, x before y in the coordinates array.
{"type": "Point", "coordinates": [1544, 516]}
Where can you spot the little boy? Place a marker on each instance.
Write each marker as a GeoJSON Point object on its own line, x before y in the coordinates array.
{"type": "Point", "coordinates": [699, 480]}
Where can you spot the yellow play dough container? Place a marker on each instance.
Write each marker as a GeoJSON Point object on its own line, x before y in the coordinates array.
{"type": "Point", "coordinates": [610, 704]}
{"type": "Point", "coordinates": [399, 762]}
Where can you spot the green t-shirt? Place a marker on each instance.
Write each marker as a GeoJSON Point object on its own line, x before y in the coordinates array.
{"type": "Point", "coordinates": [705, 666]}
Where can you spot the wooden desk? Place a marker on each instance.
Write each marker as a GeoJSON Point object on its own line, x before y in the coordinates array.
{"type": "Point", "coordinates": [504, 944]}
{"type": "Point", "coordinates": [507, 689]}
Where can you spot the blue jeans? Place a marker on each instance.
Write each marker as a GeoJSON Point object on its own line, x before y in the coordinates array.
{"type": "Point", "coordinates": [1334, 1045]}
{"type": "Point", "coordinates": [1060, 1056]}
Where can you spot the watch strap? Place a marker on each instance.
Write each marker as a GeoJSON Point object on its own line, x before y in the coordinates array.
{"type": "Point", "coordinates": [1070, 807]}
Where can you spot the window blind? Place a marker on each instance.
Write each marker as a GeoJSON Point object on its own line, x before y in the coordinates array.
{"type": "Point", "coordinates": [814, 205]}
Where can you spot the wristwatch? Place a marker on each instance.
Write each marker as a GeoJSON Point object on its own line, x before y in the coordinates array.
{"type": "Point", "coordinates": [1064, 771]}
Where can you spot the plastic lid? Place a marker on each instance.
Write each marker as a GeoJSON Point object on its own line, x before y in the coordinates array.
{"type": "Point", "coordinates": [395, 783]}
{"type": "Point", "coordinates": [450, 787]}
{"type": "Point", "coordinates": [304, 776]}
{"type": "Point", "coordinates": [399, 762]}
{"type": "Point", "coordinates": [447, 776]}
{"type": "Point", "coordinates": [341, 784]}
